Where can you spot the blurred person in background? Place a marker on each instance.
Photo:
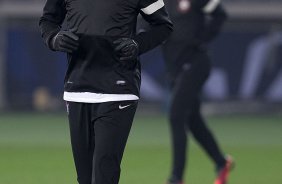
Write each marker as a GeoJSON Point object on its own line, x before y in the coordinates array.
{"type": "Point", "coordinates": [196, 23]}
{"type": "Point", "coordinates": [103, 77]}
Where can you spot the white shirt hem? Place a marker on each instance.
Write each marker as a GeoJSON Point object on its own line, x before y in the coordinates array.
{"type": "Point", "coordinates": [87, 97]}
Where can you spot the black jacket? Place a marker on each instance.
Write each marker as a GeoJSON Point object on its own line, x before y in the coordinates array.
{"type": "Point", "coordinates": [196, 21]}
{"type": "Point", "coordinates": [94, 67]}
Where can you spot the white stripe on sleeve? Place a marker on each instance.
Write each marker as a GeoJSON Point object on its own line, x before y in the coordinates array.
{"type": "Point", "coordinates": [152, 8]}
{"type": "Point", "coordinates": [211, 6]}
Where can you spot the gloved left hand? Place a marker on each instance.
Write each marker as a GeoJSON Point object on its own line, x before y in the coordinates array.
{"type": "Point", "coordinates": [126, 49]}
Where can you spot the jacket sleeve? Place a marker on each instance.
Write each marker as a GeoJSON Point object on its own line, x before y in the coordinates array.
{"type": "Point", "coordinates": [160, 25]}
{"type": "Point", "coordinates": [215, 17]}
{"type": "Point", "coordinates": [50, 22]}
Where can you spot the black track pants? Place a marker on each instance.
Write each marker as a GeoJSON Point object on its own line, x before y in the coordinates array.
{"type": "Point", "coordinates": [99, 132]}
{"type": "Point", "coordinates": [185, 115]}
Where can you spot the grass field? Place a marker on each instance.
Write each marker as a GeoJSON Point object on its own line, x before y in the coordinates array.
{"type": "Point", "coordinates": [34, 149]}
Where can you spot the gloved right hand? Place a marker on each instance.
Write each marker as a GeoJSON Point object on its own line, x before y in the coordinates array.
{"type": "Point", "coordinates": [65, 41]}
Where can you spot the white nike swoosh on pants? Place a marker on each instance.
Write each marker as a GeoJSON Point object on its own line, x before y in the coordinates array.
{"type": "Point", "coordinates": [123, 107]}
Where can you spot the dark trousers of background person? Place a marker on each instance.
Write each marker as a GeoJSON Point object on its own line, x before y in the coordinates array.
{"type": "Point", "coordinates": [185, 115]}
{"type": "Point", "coordinates": [99, 133]}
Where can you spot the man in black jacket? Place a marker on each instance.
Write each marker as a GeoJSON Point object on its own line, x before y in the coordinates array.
{"type": "Point", "coordinates": [196, 22]}
{"type": "Point", "coordinates": [103, 76]}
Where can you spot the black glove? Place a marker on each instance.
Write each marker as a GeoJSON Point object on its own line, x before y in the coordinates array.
{"type": "Point", "coordinates": [126, 49]}
{"type": "Point", "coordinates": [65, 41]}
